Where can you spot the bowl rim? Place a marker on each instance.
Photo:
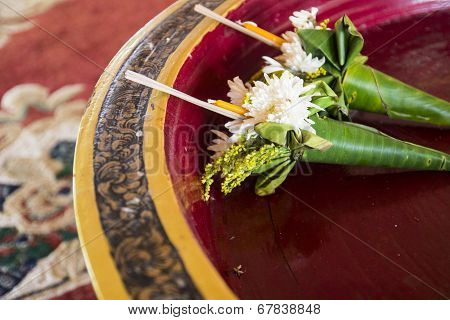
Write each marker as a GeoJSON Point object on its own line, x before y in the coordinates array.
{"type": "Point", "coordinates": [101, 266]}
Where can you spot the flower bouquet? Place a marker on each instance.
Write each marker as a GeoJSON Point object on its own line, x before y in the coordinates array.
{"type": "Point", "coordinates": [296, 109]}
{"type": "Point", "coordinates": [288, 121]}
{"type": "Point", "coordinates": [315, 52]}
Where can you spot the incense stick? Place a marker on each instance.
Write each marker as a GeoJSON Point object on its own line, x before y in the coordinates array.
{"type": "Point", "coordinates": [141, 79]}
{"type": "Point", "coordinates": [211, 14]}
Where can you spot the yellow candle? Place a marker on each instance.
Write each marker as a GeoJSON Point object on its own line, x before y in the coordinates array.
{"type": "Point", "coordinates": [264, 33]}
{"type": "Point", "coordinates": [230, 107]}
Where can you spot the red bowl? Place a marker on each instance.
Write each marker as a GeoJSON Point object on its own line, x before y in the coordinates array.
{"type": "Point", "coordinates": [331, 232]}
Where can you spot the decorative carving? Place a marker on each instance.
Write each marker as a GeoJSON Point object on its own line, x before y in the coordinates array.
{"type": "Point", "coordinates": [147, 261]}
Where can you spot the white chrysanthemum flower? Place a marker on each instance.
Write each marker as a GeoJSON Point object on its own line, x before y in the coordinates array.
{"type": "Point", "coordinates": [281, 100]}
{"type": "Point", "coordinates": [238, 91]}
{"type": "Point", "coordinates": [242, 129]}
{"type": "Point", "coordinates": [272, 65]}
{"type": "Point", "coordinates": [304, 19]}
{"type": "Point", "coordinates": [220, 144]}
{"type": "Point", "coordinates": [295, 58]}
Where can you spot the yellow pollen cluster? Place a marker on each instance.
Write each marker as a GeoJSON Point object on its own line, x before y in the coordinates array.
{"type": "Point", "coordinates": [324, 24]}
{"type": "Point", "coordinates": [246, 99]}
{"type": "Point", "coordinates": [238, 163]}
{"type": "Point", "coordinates": [312, 75]}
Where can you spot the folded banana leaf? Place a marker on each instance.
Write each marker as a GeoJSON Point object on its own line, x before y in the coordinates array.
{"type": "Point", "coordinates": [356, 144]}
{"type": "Point", "coordinates": [373, 91]}
{"type": "Point", "coordinates": [350, 144]}
{"type": "Point", "coordinates": [366, 88]}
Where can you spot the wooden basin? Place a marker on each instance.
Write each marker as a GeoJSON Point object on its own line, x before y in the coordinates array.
{"type": "Point", "coordinates": [331, 232]}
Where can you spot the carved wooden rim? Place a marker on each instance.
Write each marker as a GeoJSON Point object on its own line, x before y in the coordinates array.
{"type": "Point", "coordinates": [135, 239]}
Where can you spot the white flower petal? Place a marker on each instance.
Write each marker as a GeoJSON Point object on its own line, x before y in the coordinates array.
{"type": "Point", "coordinates": [278, 99]}
{"type": "Point", "coordinates": [237, 92]}
{"type": "Point", "coordinates": [304, 19]}
{"type": "Point", "coordinates": [295, 57]}
{"type": "Point", "coordinates": [272, 69]}
{"type": "Point", "coordinates": [219, 145]}
{"type": "Point", "coordinates": [220, 134]}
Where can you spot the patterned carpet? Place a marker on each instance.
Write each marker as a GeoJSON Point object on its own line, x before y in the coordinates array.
{"type": "Point", "coordinates": [52, 53]}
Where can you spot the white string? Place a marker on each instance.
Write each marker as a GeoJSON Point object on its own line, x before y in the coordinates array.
{"type": "Point", "coordinates": [141, 79]}
{"type": "Point", "coordinates": [211, 14]}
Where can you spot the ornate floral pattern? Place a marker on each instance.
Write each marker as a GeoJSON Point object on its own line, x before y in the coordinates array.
{"type": "Point", "coordinates": [36, 213]}
{"type": "Point", "coordinates": [61, 270]}
{"type": "Point", "coordinates": [148, 263]}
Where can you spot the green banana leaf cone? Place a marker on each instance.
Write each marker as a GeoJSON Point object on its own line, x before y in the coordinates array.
{"type": "Point", "coordinates": [364, 87]}
{"type": "Point", "coordinates": [373, 91]}
{"type": "Point", "coordinates": [356, 144]}
{"type": "Point", "coordinates": [349, 144]}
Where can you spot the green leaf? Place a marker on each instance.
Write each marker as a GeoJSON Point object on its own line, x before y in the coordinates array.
{"type": "Point", "coordinates": [360, 59]}
{"type": "Point", "coordinates": [374, 91]}
{"type": "Point", "coordinates": [328, 79]}
{"type": "Point", "coordinates": [314, 141]}
{"type": "Point", "coordinates": [349, 39]}
{"type": "Point", "coordinates": [340, 46]}
{"type": "Point", "coordinates": [280, 134]}
{"type": "Point", "coordinates": [328, 98]}
{"type": "Point", "coordinates": [322, 94]}
{"type": "Point", "coordinates": [341, 42]}
{"type": "Point", "coordinates": [274, 132]}
{"type": "Point", "coordinates": [362, 126]}
{"type": "Point", "coordinates": [267, 182]}
{"type": "Point", "coordinates": [272, 164]}
{"type": "Point", "coordinates": [364, 146]}
{"type": "Point", "coordinates": [322, 89]}
{"type": "Point", "coordinates": [324, 102]}
{"type": "Point", "coordinates": [320, 43]}
{"type": "Point", "coordinates": [294, 142]}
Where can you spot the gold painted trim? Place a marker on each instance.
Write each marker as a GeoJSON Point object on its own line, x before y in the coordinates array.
{"type": "Point", "coordinates": [105, 277]}
{"type": "Point", "coordinates": [205, 277]}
